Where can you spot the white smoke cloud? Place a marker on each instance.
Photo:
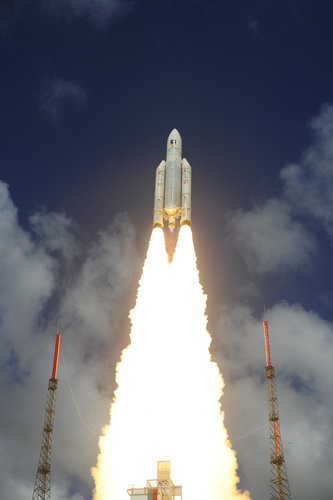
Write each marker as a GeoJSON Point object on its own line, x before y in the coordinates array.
{"type": "Point", "coordinates": [60, 492]}
{"type": "Point", "coordinates": [301, 348]}
{"type": "Point", "coordinates": [55, 231]}
{"type": "Point", "coordinates": [279, 234]}
{"type": "Point", "coordinates": [308, 185]}
{"type": "Point", "coordinates": [89, 297]}
{"type": "Point", "coordinates": [38, 286]}
{"type": "Point", "coordinates": [270, 239]}
{"type": "Point", "coordinates": [55, 92]}
{"type": "Point", "coordinates": [26, 279]}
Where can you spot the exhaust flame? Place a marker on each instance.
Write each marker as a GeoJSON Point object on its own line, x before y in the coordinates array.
{"type": "Point", "coordinates": [166, 406]}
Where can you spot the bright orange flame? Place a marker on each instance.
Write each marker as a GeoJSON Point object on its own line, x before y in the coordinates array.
{"type": "Point", "coordinates": [166, 406]}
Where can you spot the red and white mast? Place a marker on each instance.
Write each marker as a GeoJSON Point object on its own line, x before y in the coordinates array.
{"type": "Point", "coordinates": [278, 472]}
{"type": "Point", "coordinates": [42, 487]}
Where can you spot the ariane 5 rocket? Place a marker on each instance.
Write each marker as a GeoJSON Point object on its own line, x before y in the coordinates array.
{"type": "Point", "coordinates": [173, 186]}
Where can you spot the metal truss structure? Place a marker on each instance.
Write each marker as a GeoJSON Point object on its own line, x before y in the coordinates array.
{"type": "Point", "coordinates": [42, 487]}
{"type": "Point", "coordinates": [279, 484]}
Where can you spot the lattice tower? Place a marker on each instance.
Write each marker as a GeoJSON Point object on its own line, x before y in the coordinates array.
{"type": "Point", "coordinates": [42, 487]}
{"type": "Point", "coordinates": [279, 484]}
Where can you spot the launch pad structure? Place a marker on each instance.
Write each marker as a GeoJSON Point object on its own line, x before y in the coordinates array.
{"type": "Point", "coordinates": [161, 488]}
{"type": "Point", "coordinates": [279, 484]}
{"type": "Point", "coordinates": [42, 486]}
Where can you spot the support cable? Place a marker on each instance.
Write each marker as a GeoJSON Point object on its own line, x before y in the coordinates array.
{"type": "Point", "coordinates": [84, 423]}
{"type": "Point", "coordinates": [249, 433]}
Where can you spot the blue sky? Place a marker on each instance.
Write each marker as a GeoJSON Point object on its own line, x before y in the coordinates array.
{"type": "Point", "coordinates": [89, 91]}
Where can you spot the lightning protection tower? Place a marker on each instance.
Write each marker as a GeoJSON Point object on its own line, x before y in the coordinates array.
{"type": "Point", "coordinates": [279, 485]}
{"type": "Point", "coordinates": [43, 476]}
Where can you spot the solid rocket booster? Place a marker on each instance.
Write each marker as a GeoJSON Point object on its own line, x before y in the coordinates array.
{"type": "Point", "coordinates": [173, 186]}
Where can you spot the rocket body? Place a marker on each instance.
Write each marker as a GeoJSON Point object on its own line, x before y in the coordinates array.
{"type": "Point", "coordinates": [173, 186]}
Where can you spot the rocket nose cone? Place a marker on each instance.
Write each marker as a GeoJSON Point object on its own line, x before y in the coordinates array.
{"type": "Point", "coordinates": [174, 134]}
{"type": "Point", "coordinates": [174, 141]}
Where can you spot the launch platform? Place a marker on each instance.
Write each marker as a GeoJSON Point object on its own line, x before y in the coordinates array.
{"type": "Point", "coordinates": [161, 488]}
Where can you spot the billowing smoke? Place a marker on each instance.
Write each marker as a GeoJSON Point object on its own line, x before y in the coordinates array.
{"type": "Point", "coordinates": [48, 273]}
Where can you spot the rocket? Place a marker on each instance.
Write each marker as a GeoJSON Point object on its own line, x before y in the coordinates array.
{"type": "Point", "coordinates": [173, 186]}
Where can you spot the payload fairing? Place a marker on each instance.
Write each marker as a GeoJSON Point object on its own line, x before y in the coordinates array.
{"type": "Point", "coordinates": [173, 186]}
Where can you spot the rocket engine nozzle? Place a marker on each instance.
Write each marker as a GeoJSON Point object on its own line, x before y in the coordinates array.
{"type": "Point", "coordinates": [172, 223]}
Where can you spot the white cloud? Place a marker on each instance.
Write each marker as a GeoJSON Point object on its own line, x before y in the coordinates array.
{"type": "Point", "coordinates": [55, 231]}
{"type": "Point", "coordinates": [38, 286]}
{"type": "Point", "coordinates": [254, 27]}
{"type": "Point", "coordinates": [308, 185]}
{"type": "Point", "coordinates": [278, 234]}
{"type": "Point", "coordinates": [26, 278]}
{"type": "Point", "coordinates": [89, 297]}
{"type": "Point", "coordinates": [99, 11]}
{"type": "Point", "coordinates": [55, 92]}
{"type": "Point", "coordinates": [270, 239]}
{"type": "Point", "coordinates": [301, 348]}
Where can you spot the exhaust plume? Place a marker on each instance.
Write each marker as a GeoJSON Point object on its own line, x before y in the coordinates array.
{"type": "Point", "coordinates": [167, 403]}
